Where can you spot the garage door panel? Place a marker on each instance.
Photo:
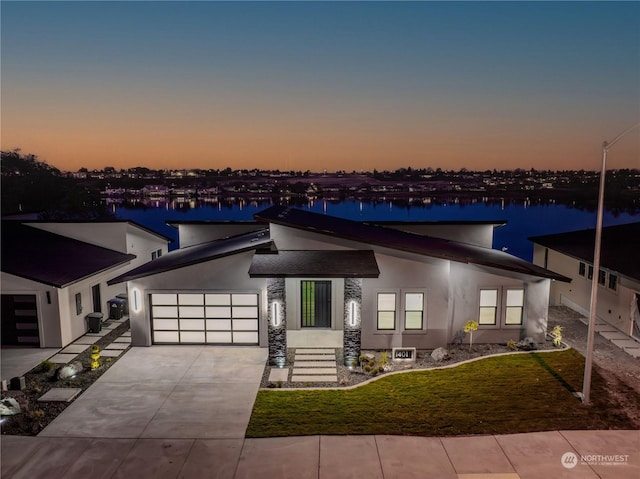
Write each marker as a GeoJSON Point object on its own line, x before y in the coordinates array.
{"type": "Point", "coordinates": [190, 299]}
{"type": "Point", "coordinates": [245, 324]}
{"type": "Point", "coordinates": [191, 312]}
{"type": "Point", "coordinates": [244, 312]}
{"type": "Point", "coordinates": [166, 324]}
{"type": "Point", "coordinates": [223, 337]}
{"type": "Point", "coordinates": [165, 312]}
{"type": "Point", "coordinates": [192, 324]}
{"type": "Point", "coordinates": [192, 337]}
{"type": "Point", "coordinates": [164, 299]}
{"type": "Point", "coordinates": [218, 311]}
{"type": "Point", "coordinates": [245, 338]}
{"type": "Point", "coordinates": [218, 299]}
{"type": "Point", "coordinates": [218, 325]}
{"type": "Point", "coordinates": [166, 337]}
{"type": "Point", "coordinates": [198, 318]}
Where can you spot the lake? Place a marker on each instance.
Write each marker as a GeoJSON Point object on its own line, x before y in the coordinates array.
{"type": "Point", "coordinates": [524, 219]}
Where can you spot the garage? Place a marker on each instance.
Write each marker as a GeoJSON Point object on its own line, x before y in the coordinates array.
{"type": "Point", "coordinates": [205, 318]}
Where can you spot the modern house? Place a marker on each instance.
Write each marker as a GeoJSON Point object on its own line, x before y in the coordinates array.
{"type": "Point", "coordinates": [294, 278]}
{"type": "Point", "coordinates": [55, 273]}
{"type": "Point", "coordinates": [571, 254]}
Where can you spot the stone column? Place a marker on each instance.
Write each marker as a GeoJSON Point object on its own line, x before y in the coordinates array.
{"type": "Point", "coordinates": [277, 335]}
{"type": "Point", "coordinates": [352, 333]}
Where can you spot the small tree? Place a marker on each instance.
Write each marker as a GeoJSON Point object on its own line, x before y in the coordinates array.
{"type": "Point", "coordinates": [556, 334]}
{"type": "Point", "coordinates": [469, 327]}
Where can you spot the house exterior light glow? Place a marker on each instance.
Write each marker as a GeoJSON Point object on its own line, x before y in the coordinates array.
{"type": "Point", "coordinates": [275, 314]}
{"type": "Point", "coordinates": [353, 314]}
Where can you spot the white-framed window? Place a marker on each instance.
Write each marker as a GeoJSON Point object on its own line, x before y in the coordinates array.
{"type": "Point", "coordinates": [488, 307]}
{"type": "Point", "coordinates": [501, 306]}
{"type": "Point", "coordinates": [602, 277]}
{"type": "Point", "coordinates": [156, 254]}
{"type": "Point", "coordinates": [386, 308]}
{"type": "Point", "coordinates": [613, 282]}
{"type": "Point", "coordinates": [514, 306]}
{"type": "Point", "coordinates": [413, 311]}
{"type": "Point", "coordinates": [78, 303]}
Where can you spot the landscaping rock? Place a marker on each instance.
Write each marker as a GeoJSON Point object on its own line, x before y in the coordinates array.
{"type": "Point", "coordinates": [70, 370]}
{"type": "Point", "coordinates": [9, 407]}
{"type": "Point", "coordinates": [439, 354]}
{"type": "Point", "coordinates": [527, 344]}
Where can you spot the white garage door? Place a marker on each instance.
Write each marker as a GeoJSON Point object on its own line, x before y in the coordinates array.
{"type": "Point", "coordinates": [205, 318]}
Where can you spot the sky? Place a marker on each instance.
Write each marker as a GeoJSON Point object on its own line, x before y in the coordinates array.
{"type": "Point", "coordinates": [321, 85]}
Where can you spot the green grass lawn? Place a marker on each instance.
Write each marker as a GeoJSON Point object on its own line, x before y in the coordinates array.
{"type": "Point", "coordinates": [499, 395]}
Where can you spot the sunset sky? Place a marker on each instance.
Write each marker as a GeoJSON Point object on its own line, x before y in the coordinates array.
{"type": "Point", "coordinates": [298, 85]}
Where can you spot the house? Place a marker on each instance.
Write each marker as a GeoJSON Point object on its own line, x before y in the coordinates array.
{"type": "Point", "coordinates": [293, 278]}
{"type": "Point", "coordinates": [571, 254]}
{"type": "Point", "coordinates": [55, 273]}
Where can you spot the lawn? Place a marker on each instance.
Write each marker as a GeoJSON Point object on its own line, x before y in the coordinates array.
{"type": "Point", "coordinates": [496, 395]}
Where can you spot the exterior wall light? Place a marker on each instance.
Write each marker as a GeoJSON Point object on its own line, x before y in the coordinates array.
{"type": "Point", "coordinates": [275, 314]}
{"type": "Point", "coordinates": [136, 305]}
{"type": "Point", "coordinates": [352, 313]}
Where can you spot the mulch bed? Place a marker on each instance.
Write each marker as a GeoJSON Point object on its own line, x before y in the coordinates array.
{"type": "Point", "coordinates": [34, 415]}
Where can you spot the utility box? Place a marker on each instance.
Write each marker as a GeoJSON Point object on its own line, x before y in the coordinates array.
{"type": "Point", "coordinates": [116, 308]}
{"type": "Point", "coordinates": [125, 298]}
{"type": "Point", "coordinates": [94, 322]}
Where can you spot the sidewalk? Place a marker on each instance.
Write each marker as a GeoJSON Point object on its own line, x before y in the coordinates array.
{"type": "Point", "coordinates": [611, 455]}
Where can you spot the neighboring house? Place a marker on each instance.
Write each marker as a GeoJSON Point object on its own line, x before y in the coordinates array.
{"type": "Point", "coordinates": [55, 273]}
{"type": "Point", "coordinates": [571, 254]}
{"type": "Point", "coordinates": [304, 279]}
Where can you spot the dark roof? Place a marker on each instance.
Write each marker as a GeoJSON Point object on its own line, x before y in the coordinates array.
{"type": "Point", "coordinates": [175, 223]}
{"type": "Point", "coordinates": [53, 259]}
{"type": "Point", "coordinates": [619, 249]}
{"type": "Point", "coordinates": [131, 222]}
{"type": "Point", "coordinates": [439, 222]}
{"type": "Point", "coordinates": [319, 264]}
{"type": "Point", "coordinates": [402, 241]}
{"type": "Point", "coordinates": [199, 253]}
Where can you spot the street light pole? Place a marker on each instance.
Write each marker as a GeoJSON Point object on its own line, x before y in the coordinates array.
{"type": "Point", "coordinates": [586, 383]}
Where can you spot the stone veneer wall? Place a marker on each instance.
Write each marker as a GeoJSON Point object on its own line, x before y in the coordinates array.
{"type": "Point", "coordinates": [352, 334]}
{"type": "Point", "coordinates": [277, 336]}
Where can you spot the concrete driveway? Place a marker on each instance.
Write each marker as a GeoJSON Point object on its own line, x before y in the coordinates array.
{"type": "Point", "coordinates": [168, 392]}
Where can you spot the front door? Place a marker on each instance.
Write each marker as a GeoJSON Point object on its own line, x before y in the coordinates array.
{"type": "Point", "coordinates": [316, 304]}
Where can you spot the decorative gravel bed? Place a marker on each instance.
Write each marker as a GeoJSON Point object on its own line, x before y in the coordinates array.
{"type": "Point", "coordinates": [356, 375]}
{"type": "Point", "coordinates": [35, 416]}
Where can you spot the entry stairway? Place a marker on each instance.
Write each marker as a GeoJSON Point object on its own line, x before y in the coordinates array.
{"type": "Point", "coordinates": [314, 365]}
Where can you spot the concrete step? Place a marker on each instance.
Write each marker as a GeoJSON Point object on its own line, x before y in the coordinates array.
{"type": "Point", "coordinates": [315, 357]}
{"type": "Point", "coordinates": [313, 371]}
{"type": "Point", "coordinates": [614, 335]}
{"type": "Point", "coordinates": [314, 364]}
{"type": "Point", "coordinates": [314, 379]}
{"type": "Point", "coordinates": [315, 351]}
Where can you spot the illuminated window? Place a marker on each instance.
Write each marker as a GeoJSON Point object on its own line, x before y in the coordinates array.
{"type": "Point", "coordinates": [515, 306]}
{"type": "Point", "coordinates": [488, 306]}
{"type": "Point", "coordinates": [386, 311]}
{"type": "Point", "coordinates": [413, 310]}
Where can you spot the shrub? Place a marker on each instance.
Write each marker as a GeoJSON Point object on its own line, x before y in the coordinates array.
{"type": "Point", "coordinates": [512, 345]}
{"type": "Point", "coordinates": [556, 335]}
{"type": "Point", "coordinates": [46, 366]}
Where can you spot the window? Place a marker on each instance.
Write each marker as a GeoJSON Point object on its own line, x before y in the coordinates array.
{"type": "Point", "coordinates": [590, 276]}
{"type": "Point", "coordinates": [582, 269]}
{"type": "Point", "coordinates": [156, 254]}
{"type": "Point", "coordinates": [386, 311]}
{"type": "Point", "coordinates": [613, 282]}
{"type": "Point", "coordinates": [515, 306]}
{"type": "Point", "coordinates": [488, 306]}
{"type": "Point", "coordinates": [78, 303]}
{"type": "Point", "coordinates": [413, 310]}
{"type": "Point", "coordinates": [159, 253]}
{"type": "Point", "coordinates": [602, 276]}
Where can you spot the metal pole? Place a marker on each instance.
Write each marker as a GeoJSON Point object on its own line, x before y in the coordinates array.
{"type": "Point", "coordinates": [586, 382]}
{"type": "Point", "coordinates": [588, 362]}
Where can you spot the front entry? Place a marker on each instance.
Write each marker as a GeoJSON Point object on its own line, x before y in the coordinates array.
{"type": "Point", "coordinates": [316, 304]}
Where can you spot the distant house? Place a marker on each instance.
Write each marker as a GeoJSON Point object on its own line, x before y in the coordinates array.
{"type": "Point", "coordinates": [293, 278]}
{"type": "Point", "coordinates": [55, 273]}
{"type": "Point", "coordinates": [571, 254]}
{"type": "Point", "coordinates": [155, 191]}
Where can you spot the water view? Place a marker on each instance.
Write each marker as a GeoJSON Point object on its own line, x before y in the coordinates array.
{"type": "Point", "coordinates": [524, 218]}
